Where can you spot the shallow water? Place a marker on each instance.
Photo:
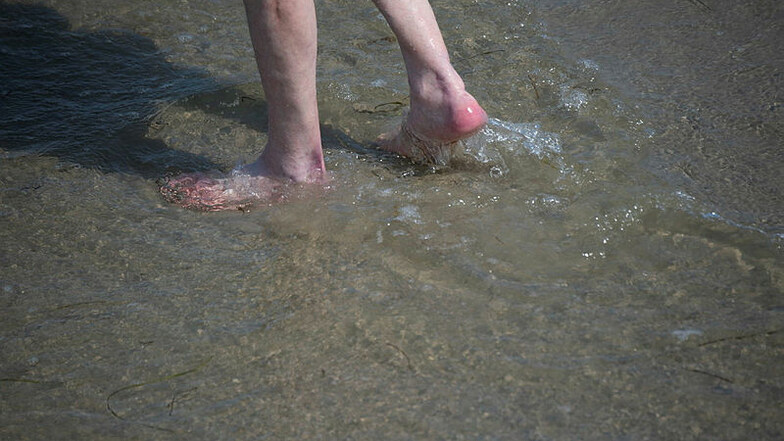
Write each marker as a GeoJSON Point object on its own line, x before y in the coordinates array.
{"type": "Point", "coordinates": [604, 262]}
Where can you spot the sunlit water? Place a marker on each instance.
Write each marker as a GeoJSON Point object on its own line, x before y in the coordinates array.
{"type": "Point", "coordinates": [602, 262]}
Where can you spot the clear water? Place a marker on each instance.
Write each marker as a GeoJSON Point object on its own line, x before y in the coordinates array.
{"type": "Point", "coordinates": [605, 261]}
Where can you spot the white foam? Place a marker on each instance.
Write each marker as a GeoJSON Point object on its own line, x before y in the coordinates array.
{"type": "Point", "coordinates": [530, 135]}
{"type": "Point", "coordinates": [409, 213]}
{"type": "Point", "coordinates": [573, 99]}
{"type": "Point", "coordinates": [684, 334]}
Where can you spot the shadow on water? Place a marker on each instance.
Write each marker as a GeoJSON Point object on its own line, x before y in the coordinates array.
{"type": "Point", "coordinates": [245, 105]}
{"type": "Point", "coordinates": [87, 97]}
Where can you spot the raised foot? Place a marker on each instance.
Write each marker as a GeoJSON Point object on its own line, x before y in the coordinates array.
{"type": "Point", "coordinates": [432, 135]}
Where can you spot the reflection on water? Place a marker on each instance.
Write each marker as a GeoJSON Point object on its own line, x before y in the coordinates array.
{"type": "Point", "coordinates": [561, 280]}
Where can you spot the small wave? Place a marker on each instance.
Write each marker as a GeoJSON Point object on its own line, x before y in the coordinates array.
{"type": "Point", "coordinates": [500, 137]}
{"type": "Point", "coordinates": [530, 135]}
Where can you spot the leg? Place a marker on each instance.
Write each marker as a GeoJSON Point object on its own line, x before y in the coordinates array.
{"type": "Point", "coordinates": [442, 112]}
{"type": "Point", "coordinates": [284, 38]}
{"type": "Point", "coordinates": [283, 33]}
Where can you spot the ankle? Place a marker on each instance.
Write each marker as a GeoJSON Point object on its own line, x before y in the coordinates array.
{"type": "Point", "coordinates": [301, 165]}
{"type": "Point", "coordinates": [432, 85]}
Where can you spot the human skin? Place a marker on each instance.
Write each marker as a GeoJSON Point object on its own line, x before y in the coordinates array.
{"type": "Point", "coordinates": [284, 37]}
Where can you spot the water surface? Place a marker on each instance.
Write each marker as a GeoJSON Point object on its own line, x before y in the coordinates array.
{"type": "Point", "coordinates": [604, 262]}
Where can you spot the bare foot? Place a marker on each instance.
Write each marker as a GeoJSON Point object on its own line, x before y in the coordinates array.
{"type": "Point", "coordinates": [237, 191]}
{"type": "Point", "coordinates": [253, 184]}
{"type": "Point", "coordinates": [433, 128]}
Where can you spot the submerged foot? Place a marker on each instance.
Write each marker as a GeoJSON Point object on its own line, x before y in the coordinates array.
{"type": "Point", "coordinates": [433, 129]}
{"type": "Point", "coordinates": [237, 191]}
{"type": "Point", "coordinates": [268, 180]}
